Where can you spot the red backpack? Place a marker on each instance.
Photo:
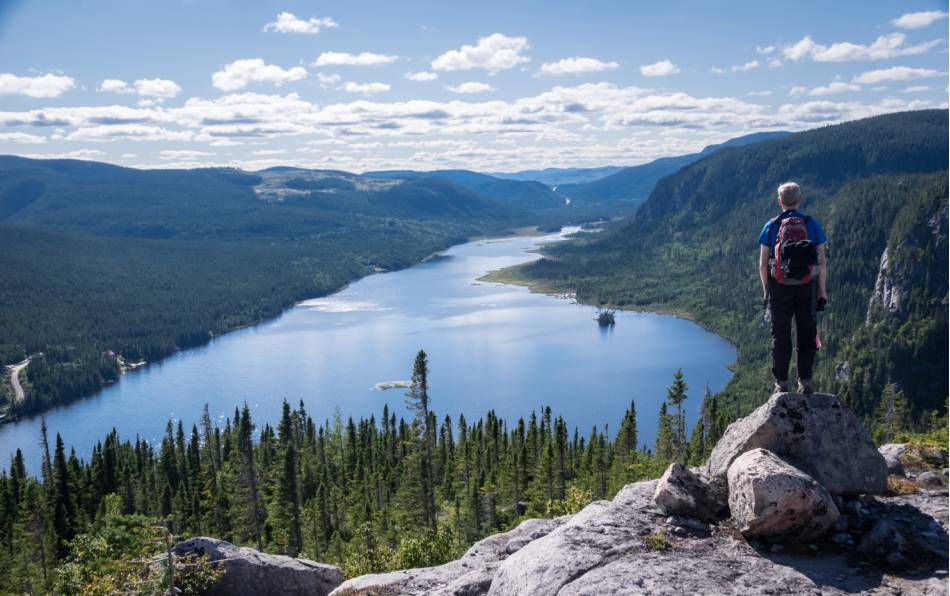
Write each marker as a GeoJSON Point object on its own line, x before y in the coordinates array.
{"type": "Point", "coordinates": [794, 255]}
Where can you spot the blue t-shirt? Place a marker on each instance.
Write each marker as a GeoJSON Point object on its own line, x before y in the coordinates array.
{"type": "Point", "coordinates": [769, 231]}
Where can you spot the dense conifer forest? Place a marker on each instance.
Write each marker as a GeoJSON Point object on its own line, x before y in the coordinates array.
{"type": "Point", "coordinates": [406, 489]}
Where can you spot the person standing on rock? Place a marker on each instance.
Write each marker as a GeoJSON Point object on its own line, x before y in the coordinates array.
{"type": "Point", "coordinates": [793, 274]}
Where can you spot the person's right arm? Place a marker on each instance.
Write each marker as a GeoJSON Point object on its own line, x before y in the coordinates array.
{"type": "Point", "coordinates": [764, 270]}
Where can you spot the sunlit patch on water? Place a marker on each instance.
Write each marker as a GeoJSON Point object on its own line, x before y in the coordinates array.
{"type": "Point", "coordinates": [331, 304]}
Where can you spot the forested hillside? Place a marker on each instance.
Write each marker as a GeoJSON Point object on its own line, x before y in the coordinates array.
{"type": "Point", "coordinates": [104, 264]}
{"type": "Point", "coordinates": [692, 248]}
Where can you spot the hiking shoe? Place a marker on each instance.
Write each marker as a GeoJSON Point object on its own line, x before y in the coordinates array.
{"type": "Point", "coordinates": [804, 386]}
{"type": "Point", "coordinates": [780, 387]}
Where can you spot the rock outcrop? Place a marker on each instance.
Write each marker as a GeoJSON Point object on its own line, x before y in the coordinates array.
{"type": "Point", "coordinates": [680, 492]}
{"type": "Point", "coordinates": [771, 499]}
{"type": "Point", "coordinates": [892, 457]}
{"type": "Point", "coordinates": [668, 537]}
{"type": "Point", "coordinates": [816, 434]}
{"type": "Point", "coordinates": [249, 572]}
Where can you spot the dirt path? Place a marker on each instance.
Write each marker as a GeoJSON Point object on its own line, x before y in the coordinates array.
{"type": "Point", "coordinates": [15, 380]}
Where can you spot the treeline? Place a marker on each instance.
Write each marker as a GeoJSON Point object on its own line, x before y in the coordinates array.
{"type": "Point", "coordinates": [369, 494]}
{"type": "Point", "coordinates": [692, 248]}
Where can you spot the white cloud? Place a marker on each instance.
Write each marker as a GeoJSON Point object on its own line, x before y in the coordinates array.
{"type": "Point", "coordinates": [895, 73]}
{"type": "Point", "coordinates": [766, 50]}
{"type": "Point", "coordinates": [917, 20]}
{"type": "Point", "coordinates": [717, 70]}
{"type": "Point", "coordinates": [345, 59]}
{"type": "Point", "coordinates": [775, 63]}
{"type": "Point", "coordinates": [128, 132]}
{"type": "Point", "coordinates": [915, 89]}
{"type": "Point", "coordinates": [421, 77]}
{"type": "Point", "coordinates": [471, 87]}
{"type": "Point", "coordinates": [883, 48]}
{"type": "Point", "coordinates": [835, 87]}
{"type": "Point", "coordinates": [21, 138]}
{"type": "Point", "coordinates": [328, 80]}
{"type": "Point", "coordinates": [115, 86]}
{"type": "Point", "coordinates": [576, 65]}
{"type": "Point", "coordinates": [93, 154]}
{"type": "Point", "coordinates": [183, 154]}
{"type": "Point", "coordinates": [759, 93]}
{"type": "Point", "coordinates": [752, 64]}
{"type": "Point", "coordinates": [240, 73]}
{"type": "Point", "coordinates": [366, 88]}
{"type": "Point", "coordinates": [493, 53]}
{"type": "Point", "coordinates": [48, 85]}
{"type": "Point", "coordinates": [157, 88]}
{"type": "Point", "coordinates": [288, 23]}
{"type": "Point", "coordinates": [659, 69]}
{"type": "Point", "coordinates": [797, 90]}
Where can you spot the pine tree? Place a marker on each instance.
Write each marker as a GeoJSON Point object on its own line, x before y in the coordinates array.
{"type": "Point", "coordinates": [892, 415]}
{"type": "Point", "coordinates": [675, 396]}
{"type": "Point", "coordinates": [64, 509]}
{"type": "Point", "coordinates": [419, 402]}
{"type": "Point", "coordinates": [665, 436]}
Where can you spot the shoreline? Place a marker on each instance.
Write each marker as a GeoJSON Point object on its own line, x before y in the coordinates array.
{"type": "Point", "coordinates": [11, 418]}
{"type": "Point", "coordinates": [509, 275]}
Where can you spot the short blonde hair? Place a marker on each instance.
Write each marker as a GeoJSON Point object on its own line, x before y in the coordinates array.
{"type": "Point", "coordinates": [790, 194]}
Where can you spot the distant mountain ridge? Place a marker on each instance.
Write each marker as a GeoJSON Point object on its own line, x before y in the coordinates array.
{"type": "Point", "coordinates": [514, 194]}
{"type": "Point", "coordinates": [631, 186]}
{"type": "Point", "coordinates": [554, 177]}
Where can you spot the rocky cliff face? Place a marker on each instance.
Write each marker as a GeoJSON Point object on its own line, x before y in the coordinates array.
{"type": "Point", "coordinates": [645, 541]}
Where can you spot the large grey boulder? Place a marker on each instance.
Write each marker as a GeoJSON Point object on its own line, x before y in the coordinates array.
{"type": "Point", "coordinates": [892, 457]}
{"type": "Point", "coordinates": [771, 499]}
{"type": "Point", "coordinates": [468, 576]}
{"type": "Point", "coordinates": [249, 572]}
{"type": "Point", "coordinates": [816, 433]}
{"type": "Point", "coordinates": [680, 492]}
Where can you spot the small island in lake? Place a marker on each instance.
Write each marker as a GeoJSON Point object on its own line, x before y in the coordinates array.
{"type": "Point", "coordinates": [606, 318]}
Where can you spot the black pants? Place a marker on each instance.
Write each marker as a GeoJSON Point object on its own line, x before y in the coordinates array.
{"type": "Point", "coordinates": [786, 302]}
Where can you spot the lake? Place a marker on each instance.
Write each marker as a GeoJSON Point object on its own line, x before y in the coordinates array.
{"type": "Point", "coordinates": [491, 347]}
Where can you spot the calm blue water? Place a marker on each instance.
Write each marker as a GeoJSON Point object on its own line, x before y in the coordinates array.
{"type": "Point", "coordinates": [490, 346]}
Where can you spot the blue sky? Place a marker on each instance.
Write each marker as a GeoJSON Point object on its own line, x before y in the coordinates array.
{"type": "Point", "coordinates": [492, 86]}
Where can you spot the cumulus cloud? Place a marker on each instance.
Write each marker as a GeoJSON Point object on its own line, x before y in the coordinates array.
{"type": "Point", "coordinates": [328, 80]}
{"type": "Point", "coordinates": [240, 73]}
{"type": "Point", "coordinates": [345, 59]}
{"type": "Point", "coordinates": [493, 53]}
{"type": "Point", "coordinates": [765, 50]}
{"type": "Point", "coordinates": [917, 20]}
{"type": "Point", "coordinates": [289, 23]}
{"type": "Point", "coordinates": [157, 88]}
{"type": "Point", "coordinates": [421, 77]}
{"type": "Point", "coordinates": [883, 48]}
{"type": "Point", "coordinates": [915, 89]}
{"type": "Point", "coordinates": [21, 138]}
{"type": "Point", "coordinates": [751, 65]}
{"type": "Point", "coordinates": [470, 87]}
{"type": "Point", "coordinates": [835, 87]}
{"type": "Point", "coordinates": [659, 69]}
{"type": "Point", "coordinates": [895, 73]}
{"type": "Point", "coordinates": [128, 132]}
{"type": "Point", "coordinates": [41, 86]}
{"type": "Point", "coordinates": [115, 86]}
{"type": "Point", "coordinates": [366, 88]}
{"type": "Point", "coordinates": [575, 66]}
